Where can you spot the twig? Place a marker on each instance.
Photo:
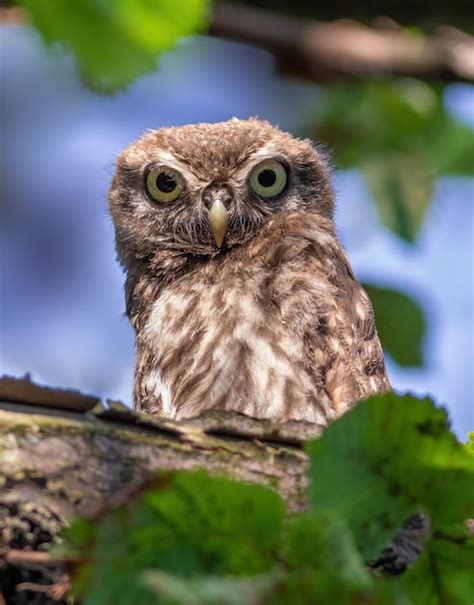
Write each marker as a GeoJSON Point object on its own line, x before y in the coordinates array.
{"type": "Point", "coordinates": [28, 558]}
{"type": "Point", "coordinates": [35, 559]}
{"type": "Point", "coordinates": [34, 587]}
{"type": "Point", "coordinates": [54, 591]}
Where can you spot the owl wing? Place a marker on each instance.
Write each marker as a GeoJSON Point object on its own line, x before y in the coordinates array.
{"type": "Point", "coordinates": [354, 363]}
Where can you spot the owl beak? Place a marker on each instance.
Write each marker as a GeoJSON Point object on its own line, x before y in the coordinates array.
{"type": "Point", "coordinates": [218, 220]}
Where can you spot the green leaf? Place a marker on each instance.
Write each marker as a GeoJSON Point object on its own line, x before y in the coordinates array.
{"type": "Point", "coordinates": [364, 121]}
{"type": "Point", "coordinates": [207, 512]}
{"type": "Point", "coordinates": [401, 186]}
{"type": "Point", "coordinates": [209, 590]}
{"type": "Point", "coordinates": [450, 149]}
{"type": "Point", "coordinates": [402, 138]}
{"type": "Point", "coordinates": [470, 443]}
{"type": "Point", "coordinates": [322, 542]}
{"type": "Point", "coordinates": [116, 42]}
{"type": "Point", "coordinates": [187, 524]}
{"type": "Point", "coordinates": [305, 587]}
{"type": "Point", "coordinates": [324, 566]}
{"type": "Point", "coordinates": [384, 460]}
{"type": "Point", "coordinates": [298, 587]}
{"type": "Point", "coordinates": [401, 324]}
{"type": "Point", "coordinates": [443, 574]}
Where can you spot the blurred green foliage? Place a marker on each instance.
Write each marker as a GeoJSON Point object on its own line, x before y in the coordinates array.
{"type": "Point", "coordinates": [392, 460]}
{"type": "Point", "coordinates": [443, 573]}
{"type": "Point", "coordinates": [183, 525]}
{"type": "Point", "coordinates": [470, 443]}
{"type": "Point", "coordinates": [116, 42]}
{"type": "Point", "coordinates": [209, 589]}
{"type": "Point", "coordinates": [400, 136]}
{"type": "Point", "coordinates": [193, 539]}
{"type": "Point", "coordinates": [400, 323]}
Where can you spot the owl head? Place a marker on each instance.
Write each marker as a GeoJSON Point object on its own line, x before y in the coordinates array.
{"type": "Point", "coordinates": [200, 190]}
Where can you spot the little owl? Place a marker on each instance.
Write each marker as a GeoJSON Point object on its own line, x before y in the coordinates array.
{"type": "Point", "coordinates": [238, 289]}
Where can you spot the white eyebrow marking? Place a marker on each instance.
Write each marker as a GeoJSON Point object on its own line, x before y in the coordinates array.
{"type": "Point", "coordinates": [167, 158]}
{"type": "Point", "coordinates": [266, 152]}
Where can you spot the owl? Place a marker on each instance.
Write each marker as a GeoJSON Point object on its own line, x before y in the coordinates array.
{"type": "Point", "coordinates": [239, 292]}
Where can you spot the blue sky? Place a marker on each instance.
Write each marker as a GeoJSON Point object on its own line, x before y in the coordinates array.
{"type": "Point", "coordinates": [61, 304]}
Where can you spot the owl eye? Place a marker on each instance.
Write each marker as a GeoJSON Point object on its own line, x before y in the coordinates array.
{"type": "Point", "coordinates": [268, 178]}
{"type": "Point", "coordinates": [164, 184]}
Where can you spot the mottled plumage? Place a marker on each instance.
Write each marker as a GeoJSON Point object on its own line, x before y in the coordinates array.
{"type": "Point", "coordinates": [272, 323]}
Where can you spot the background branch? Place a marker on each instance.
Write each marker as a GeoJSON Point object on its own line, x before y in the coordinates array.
{"type": "Point", "coordinates": [346, 49]}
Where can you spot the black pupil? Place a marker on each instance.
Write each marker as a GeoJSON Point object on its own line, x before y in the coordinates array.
{"type": "Point", "coordinates": [267, 178]}
{"type": "Point", "coordinates": [165, 182]}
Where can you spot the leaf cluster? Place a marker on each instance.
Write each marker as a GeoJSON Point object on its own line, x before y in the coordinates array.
{"type": "Point", "coordinates": [399, 134]}
{"type": "Point", "coordinates": [401, 324]}
{"type": "Point", "coordinates": [194, 539]}
{"type": "Point", "coordinates": [116, 42]}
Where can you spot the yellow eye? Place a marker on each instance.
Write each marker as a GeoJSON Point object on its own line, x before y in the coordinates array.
{"type": "Point", "coordinates": [268, 178]}
{"type": "Point", "coordinates": [164, 184]}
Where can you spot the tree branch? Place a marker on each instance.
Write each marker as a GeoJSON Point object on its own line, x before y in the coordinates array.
{"type": "Point", "coordinates": [72, 456]}
{"type": "Point", "coordinates": [76, 454]}
{"type": "Point", "coordinates": [345, 49]}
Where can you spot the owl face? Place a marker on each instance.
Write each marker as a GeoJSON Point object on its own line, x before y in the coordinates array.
{"type": "Point", "coordinates": [202, 189]}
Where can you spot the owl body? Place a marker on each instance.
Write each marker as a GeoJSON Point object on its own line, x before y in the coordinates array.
{"type": "Point", "coordinates": [240, 294]}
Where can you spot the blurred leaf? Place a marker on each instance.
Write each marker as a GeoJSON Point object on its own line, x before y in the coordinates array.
{"type": "Point", "coordinates": [384, 460]}
{"type": "Point", "coordinates": [401, 187]}
{"type": "Point", "coordinates": [470, 443]}
{"type": "Point", "coordinates": [443, 573]}
{"type": "Point", "coordinates": [209, 590]}
{"type": "Point", "coordinates": [115, 42]}
{"type": "Point", "coordinates": [450, 148]}
{"type": "Point", "coordinates": [364, 121]}
{"type": "Point", "coordinates": [305, 587]}
{"type": "Point", "coordinates": [401, 136]}
{"type": "Point", "coordinates": [323, 565]}
{"type": "Point", "coordinates": [401, 324]}
{"type": "Point", "coordinates": [187, 524]}
{"type": "Point", "coordinates": [322, 542]}
{"type": "Point", "coordinates": [320, 565]}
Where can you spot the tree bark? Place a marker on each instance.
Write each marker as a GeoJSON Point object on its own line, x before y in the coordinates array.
{"type": "Point", "coordinates": [71, 463]}
{"type": "Point", "coordinates": [64, 454]}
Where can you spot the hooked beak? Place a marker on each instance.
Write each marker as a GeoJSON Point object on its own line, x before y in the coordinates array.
{"type": "Point", "coordinates": [218, 220]}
